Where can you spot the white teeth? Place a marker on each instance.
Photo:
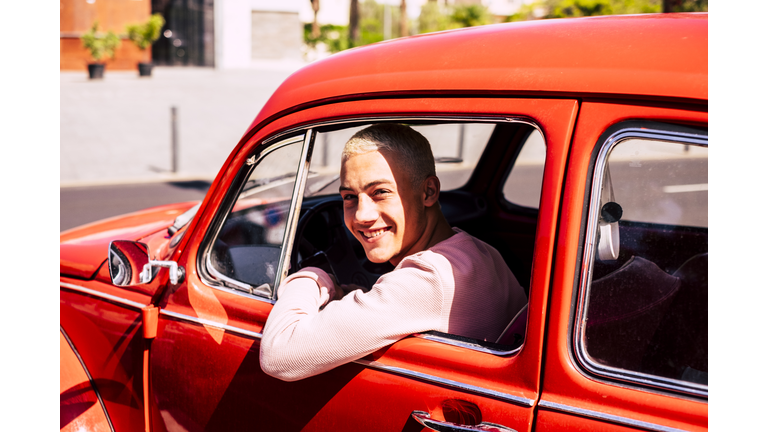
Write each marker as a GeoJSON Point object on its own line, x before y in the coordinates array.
{"type": "Point", "coordinates": [373, 234]}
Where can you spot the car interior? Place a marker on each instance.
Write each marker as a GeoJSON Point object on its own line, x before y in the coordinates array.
{"type": "Point", "coordinates": [476, 206]}
{"type": "Point", "coordinates": [647, 302]}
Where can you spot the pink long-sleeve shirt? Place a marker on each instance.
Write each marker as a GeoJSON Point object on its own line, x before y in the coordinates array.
{"type": "Point", "coordinates": [459, 286]}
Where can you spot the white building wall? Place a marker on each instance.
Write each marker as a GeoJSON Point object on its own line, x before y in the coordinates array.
{"type": "Point", "coordinates": [233, 32]}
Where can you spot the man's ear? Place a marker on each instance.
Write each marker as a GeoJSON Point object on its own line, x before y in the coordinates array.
{"type": "Point", "coordinates": [431, 190]}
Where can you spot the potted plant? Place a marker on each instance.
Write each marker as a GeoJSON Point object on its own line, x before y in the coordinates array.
{"type": "Point", "coordinates": [143, 35]}
{"type": "Point", "coordinates": [100, 45]}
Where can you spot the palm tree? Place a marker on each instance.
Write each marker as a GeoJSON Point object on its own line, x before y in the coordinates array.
{"type": "Point", "coordinates": [403, 19]}
{"type": "Point", "coordinates": [315, 27]}
{"type": "Point", "coordinates": [354, 23]}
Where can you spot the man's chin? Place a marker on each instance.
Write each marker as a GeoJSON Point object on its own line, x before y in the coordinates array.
{"type": "Point", "coordinates": [377, 258]}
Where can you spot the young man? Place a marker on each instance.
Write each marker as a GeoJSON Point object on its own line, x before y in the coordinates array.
{"type": "Point", "coordinates": [444, 279]}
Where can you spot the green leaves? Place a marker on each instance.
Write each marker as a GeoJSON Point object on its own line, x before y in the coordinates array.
{"type": "Point", "coordinates": [143, 35]}
{"type": "Point", "coordinates": [333, 36]}
{"type": "Point", "coordinates": [99, 43]}
{"type": "Point", "coordinates": [435, 17]}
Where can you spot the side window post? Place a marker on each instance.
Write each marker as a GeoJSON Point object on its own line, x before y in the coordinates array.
{"type": "Point", "coordinates": [293, 216]}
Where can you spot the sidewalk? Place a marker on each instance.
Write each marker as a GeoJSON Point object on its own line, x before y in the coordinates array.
{"type": "Point", "coordinates": [118, 130]}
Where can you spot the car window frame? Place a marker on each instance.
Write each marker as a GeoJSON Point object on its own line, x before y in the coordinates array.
{"type": "Point", "coordinates": [309, 133]}
{"type": "Point", "coordinates": [508, 205]}
{"type": "Point", "coordinates": [213, 278]}
{"type": "Point", "coordinates": [615, 135]}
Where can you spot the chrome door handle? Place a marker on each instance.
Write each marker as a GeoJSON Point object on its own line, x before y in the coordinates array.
{"type": "Point", "coordinates": [443, 426]}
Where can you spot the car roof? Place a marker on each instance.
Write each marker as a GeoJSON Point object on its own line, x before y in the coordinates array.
{"type": "Point", "coordinates": [650, 56]}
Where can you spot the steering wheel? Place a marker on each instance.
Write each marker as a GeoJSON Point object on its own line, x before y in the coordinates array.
{"type": "Point", "coordinates": [334, 251]}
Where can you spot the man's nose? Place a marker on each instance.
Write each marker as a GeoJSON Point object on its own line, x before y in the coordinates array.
{"type": "Point", "coordinates": [366, 210]}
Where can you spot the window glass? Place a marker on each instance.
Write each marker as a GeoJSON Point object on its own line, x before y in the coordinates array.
{"type": "Point", "coordinates": [523, 185]}
{"type": "Point", "coordinates": [646, 308]}
{"type": "Point", "coordinates": [247, 249]}
{"type": "Point", "coordinates": [456, 147]}
{"type": "Point", "coordinates": [660, 182]}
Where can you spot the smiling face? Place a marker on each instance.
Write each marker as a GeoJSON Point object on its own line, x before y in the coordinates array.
{"type": "Point", "coordinates": [381, 207]}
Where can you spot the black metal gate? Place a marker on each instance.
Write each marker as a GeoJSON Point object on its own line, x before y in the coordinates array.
{"type": "Point", "coordinates": [187, 37]}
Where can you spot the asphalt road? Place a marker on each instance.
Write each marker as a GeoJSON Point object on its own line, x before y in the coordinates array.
{"type": "Point", "coordinates": [81, 205]}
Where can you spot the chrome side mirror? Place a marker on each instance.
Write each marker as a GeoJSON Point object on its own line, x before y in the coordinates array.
{"type": "Point", "coordinates": [126, 262]}
{"type": "Point", "coordinates": [130, 264]}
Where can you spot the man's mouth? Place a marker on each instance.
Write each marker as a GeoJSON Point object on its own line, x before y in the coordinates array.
{"type": "Point", "coordinates": [374, 234]}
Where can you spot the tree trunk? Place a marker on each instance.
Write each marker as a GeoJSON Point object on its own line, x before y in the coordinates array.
{"type": "Point", "coordinates": [354, 23]}
{"type": "Point", "coordinates": [315, 26]}
{"type": "Point", "coordinates": [403, 19]}
{"type": "Point", "coordinates": [668, 6]}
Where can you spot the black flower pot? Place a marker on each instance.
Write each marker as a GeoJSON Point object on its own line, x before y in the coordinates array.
{"type": "Point", "coordinates": [96, 70]}
{"type": "Point", "coordinates": [145, 69]}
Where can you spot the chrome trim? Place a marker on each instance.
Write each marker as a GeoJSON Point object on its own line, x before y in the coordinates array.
{"type": "Point", "coordinates": [585, 281]}
{"type": "Point", "coordinates": [464, 119]}
{"type": "Point", "coordinates": [210, 323]}
{"type": "Point", "coordinates": [232, 285]}
{"type": "Point", "coordinates": [446, 382]}
{"type": "Point", "coordinates": [467, 345]}
{"type": "Point", "coordinates": [90, 378]}
{"type": "Point", "coordinates": [609, 417]}
{"type": "Point", "coordinates": [428, 422]}
{"type": "Point", "coordinates": [294, 209]}
{"type": "Point", "coordinates": [104, 296]}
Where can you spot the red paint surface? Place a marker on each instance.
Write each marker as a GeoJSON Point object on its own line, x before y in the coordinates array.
{"type": "Point", "coordinates": [563, 382]}
{"type": "Point", "coordinates": [221, 365]}
{"type": "Point", "coordinates": [109, 339]}
{"type": "Point", "coordinates": [83, 249]}
{"type": "Point", "coordinates": [656, 56]}
{"type": "Point", "coordinates": [80, 408]}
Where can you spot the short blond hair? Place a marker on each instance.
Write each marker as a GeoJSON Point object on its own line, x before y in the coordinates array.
{"type": "Point", "coordinates": [410, 147]}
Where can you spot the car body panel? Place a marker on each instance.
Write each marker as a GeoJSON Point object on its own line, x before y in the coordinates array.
{"type": "Point", "coordinates": [107, 334]}
{"type": "Point", "coordinates": [564, 382]}
{"type": "Point", "coordinates": [626, 55]}
{"type": "Point", "coordinates": [81, 249]}
{"type": "Point", "coordinates": [80, 408]}
{"type": "Point", "coordinates": [234, 356]}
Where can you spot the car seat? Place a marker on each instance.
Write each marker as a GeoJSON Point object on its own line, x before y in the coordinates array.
{"type": "Point", "coordinates": [624, 310]}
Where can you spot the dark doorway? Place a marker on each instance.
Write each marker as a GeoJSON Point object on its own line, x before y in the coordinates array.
{"type": "Point", "coordinates": [187, 37]}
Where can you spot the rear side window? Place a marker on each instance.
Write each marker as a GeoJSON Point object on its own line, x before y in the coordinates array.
{"type": "Point", "coordinates": [643, 302]}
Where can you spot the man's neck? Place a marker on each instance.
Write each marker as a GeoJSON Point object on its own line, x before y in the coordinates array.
{"type": "Point", "coordinates": [437, 230]}
{"type": "Point", "coordinates": [441, 231]}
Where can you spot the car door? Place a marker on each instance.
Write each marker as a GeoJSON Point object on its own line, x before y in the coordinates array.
{"type": "Point", "coordinates": [205, 372]}
{"type": "Point", "coordinates": [627, 341]}
{"type": "Point", "coordinates": [102, 322]}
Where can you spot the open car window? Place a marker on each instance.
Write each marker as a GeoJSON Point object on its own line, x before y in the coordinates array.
{"type": "Point", "coordinates": [523, 185]}
{"type": "Point", "coordinates": [643, 305]}
{"type": "Point", "coordinates": [323, 241]}
{"type": "Point", "coordinates": [254, 242]}
{"type": "Point", "coordinates": [457, 147]}
{"type": "Point", "coordinates": [246, 251]}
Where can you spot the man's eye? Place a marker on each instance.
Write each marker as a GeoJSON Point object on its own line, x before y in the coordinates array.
{"type": "Point", "coordinates": [348, 197]}
{"type": "Point", "coordinates": [380, 192]}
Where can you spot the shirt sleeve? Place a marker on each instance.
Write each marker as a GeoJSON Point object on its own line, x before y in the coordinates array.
{"type": "Point", "coordinates": [300, 340]}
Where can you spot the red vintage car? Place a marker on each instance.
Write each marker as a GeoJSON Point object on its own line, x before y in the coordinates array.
{"type": "Point", "coordinates": [576, 147]}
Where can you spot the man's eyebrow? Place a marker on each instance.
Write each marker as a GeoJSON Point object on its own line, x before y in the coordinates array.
{"type": "Point", "coordinates": [367, 186]}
